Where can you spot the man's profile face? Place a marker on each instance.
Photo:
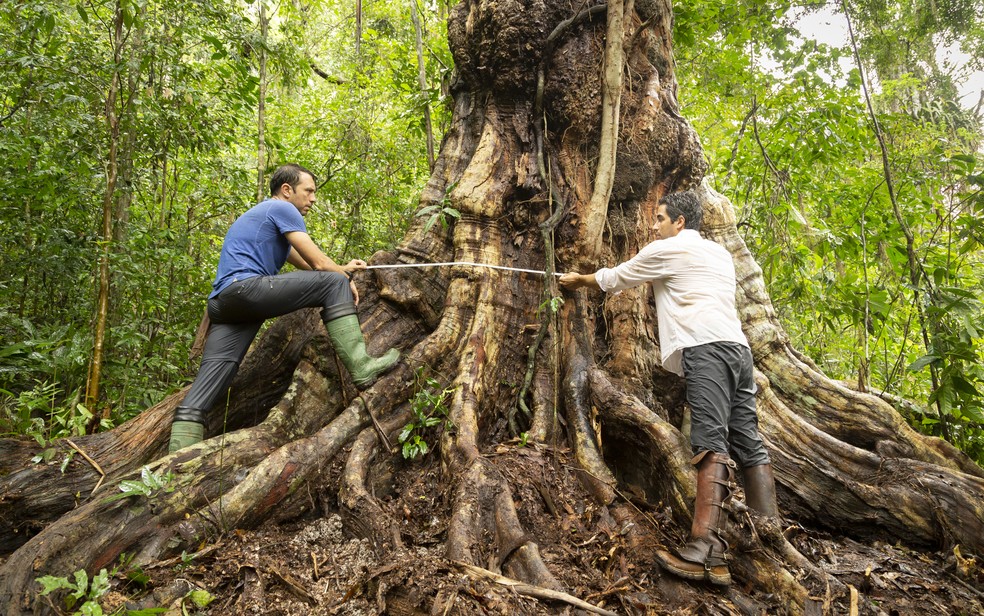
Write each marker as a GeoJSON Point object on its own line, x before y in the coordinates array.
{"type": "Point", "coordinates": [301, 197]}
{"type": "Point", "coordinates": [664, 227]}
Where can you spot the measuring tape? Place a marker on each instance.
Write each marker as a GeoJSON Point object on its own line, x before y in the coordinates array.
{"type": "Point", "coordinates": [468, 263]}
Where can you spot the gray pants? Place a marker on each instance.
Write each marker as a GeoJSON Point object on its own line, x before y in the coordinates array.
{"type": "Point", "coordinates": [721, 392]}
{"type": "Point", "coordinates": [237, 314]}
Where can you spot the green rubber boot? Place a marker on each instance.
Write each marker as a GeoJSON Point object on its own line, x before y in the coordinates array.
{"type": "Point", "coordinates": [350, 345]}
{"type": "Point", "coordinates": [184, 434]}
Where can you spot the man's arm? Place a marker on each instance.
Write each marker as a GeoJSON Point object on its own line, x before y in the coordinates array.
{"type": "Point", "coordinates": [305, 254]}
{"type": "Point", "coordinates": [297, 260]}
{"type": "Point", "coordinates": [573, 280]}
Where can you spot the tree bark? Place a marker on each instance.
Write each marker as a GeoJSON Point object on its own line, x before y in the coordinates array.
{"type": "Point", "coordinates": [844, 460]}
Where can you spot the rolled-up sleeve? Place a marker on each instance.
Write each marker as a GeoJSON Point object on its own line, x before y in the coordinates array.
{"type": "Point", "coordinates": [648, 265]}
{"type": "Point", "coordinates": [693, 288]}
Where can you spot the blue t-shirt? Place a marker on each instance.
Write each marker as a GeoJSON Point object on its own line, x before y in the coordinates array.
{"type": "Point", "coordinates": [255, 244]}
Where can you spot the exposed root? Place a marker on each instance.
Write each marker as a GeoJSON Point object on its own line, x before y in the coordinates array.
{"type": "Point", "coordinates": [646, 453]}
{"type": "Point", "coordinates": [862, 419]}
{"type": "Point", "coordinates": [361, 510]}
{"type": "Point", "coordinates": [283, 471]}
{"type": "Point", "coordinates": [847, 487]}
{"type": "Point", "coordinates": [484, 527]}
{"type": "Point", "coordinates": [577, 402]}
{"type": "Point", "coordinates": [545, 427]}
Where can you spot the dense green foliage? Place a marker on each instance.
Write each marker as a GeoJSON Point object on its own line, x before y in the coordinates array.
{"type": "Point", "coordinates": [782, 118]}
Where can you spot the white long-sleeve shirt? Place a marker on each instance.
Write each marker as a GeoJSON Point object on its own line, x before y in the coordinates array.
{"type": "Point", "coordinates": [694, 283]}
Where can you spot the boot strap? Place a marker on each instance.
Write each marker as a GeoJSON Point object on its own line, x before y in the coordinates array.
{"type": "Point", "coordinates": [703, 552]}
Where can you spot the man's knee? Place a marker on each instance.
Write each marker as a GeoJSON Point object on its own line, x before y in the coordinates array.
{"type": "Point", "coordinates": [335, 288]}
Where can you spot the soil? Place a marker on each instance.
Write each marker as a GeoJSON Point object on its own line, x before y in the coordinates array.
{"type": "Point", "coordinates": [312, 565]}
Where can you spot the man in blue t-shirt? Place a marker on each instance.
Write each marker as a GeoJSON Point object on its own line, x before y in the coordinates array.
{"type": "Point", "coordinates": [248, 290]}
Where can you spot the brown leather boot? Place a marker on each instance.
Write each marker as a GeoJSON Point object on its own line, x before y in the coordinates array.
{"type": "Point", "coordinates": [760, 489]}
{"type": "Point", "coordinates": [705, 556]}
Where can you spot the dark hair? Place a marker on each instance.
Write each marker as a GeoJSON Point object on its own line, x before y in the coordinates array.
{"type": "Point", "coordinates": [288, 174]}
{"type": "Point", "coordinates": [683, 204]}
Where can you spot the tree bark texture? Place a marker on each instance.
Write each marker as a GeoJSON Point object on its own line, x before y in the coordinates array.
{"type": "Point", "coordinates": [844, 460]}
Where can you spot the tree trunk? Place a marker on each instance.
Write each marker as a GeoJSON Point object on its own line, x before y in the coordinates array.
{"type": "Point", "coordinates": [261, 106]}
{"type": "Point", "coordinates": [358, 31]}
{"type": "Point", "coordinates": [422, 81]}
{"type": "Point", "coordinates": [102, 296]}
{"type": "Point", "coordinates": [844, 460]}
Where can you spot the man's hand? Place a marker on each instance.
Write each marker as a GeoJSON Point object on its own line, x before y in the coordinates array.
{"type": "Point", "coordinates": [354, 265]}
{"type": "Point", "coordinates": [573, 280]}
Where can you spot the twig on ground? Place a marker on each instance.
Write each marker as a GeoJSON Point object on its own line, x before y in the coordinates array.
{"type": "Point", "coordinates": [375, 424]}
{"type": "Point", "coordinates": [184, 558]}
{"type": "Point", "coordinates": [95, 465]}
{"type": "Point", "coordinates": [615, 587]}
{"type": "Point", "coordinates": [294, 587]}
{"type": "Point", "coordinates": [529, 590]}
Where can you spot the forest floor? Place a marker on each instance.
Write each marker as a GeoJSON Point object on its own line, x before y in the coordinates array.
{"type": "Point", "coordinates": [311, 565]}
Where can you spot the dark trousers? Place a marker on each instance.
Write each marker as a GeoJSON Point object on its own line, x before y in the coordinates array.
{"type": "Point", "coordinates": [721, 392]}
{"type": "Point", "coordinates": [237, 314]}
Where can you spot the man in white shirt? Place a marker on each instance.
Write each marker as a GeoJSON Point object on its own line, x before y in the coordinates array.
{"type": "Point", "coordinates": [701, 339]}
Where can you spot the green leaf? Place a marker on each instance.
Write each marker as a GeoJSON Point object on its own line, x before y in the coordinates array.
{"type": "Point", "coordinates": [922, 362]}
{"type": "Point", "coordinates": [964, 158]}
{"type": "Point", "coordinates": [879, 302]}
{"type": "Point", "coordinates": [973, 413]}
{"type": "Point", "coordinates": [51, 583]}
{"type": "Point", "coordinates": [81, 584]}
{"type": "Point", "coordinates": [138, 577]}
{"type": "Point", "coordinates": [430, 223]}
{"type": "Point", "coordinates": [91, 608]}
{"type": "Point", "coordinates": [68, 460]}
{"type": "Point", "coordinates": [964, 386]}
{"type": "Point", "coordinates": [408, 451]}
{"type": "Point", "coordinates": [149, 478]}
{"type": "Point", "coordinates": [100, 584]}
{"type": "Point", "coordinates": [201, 598]}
